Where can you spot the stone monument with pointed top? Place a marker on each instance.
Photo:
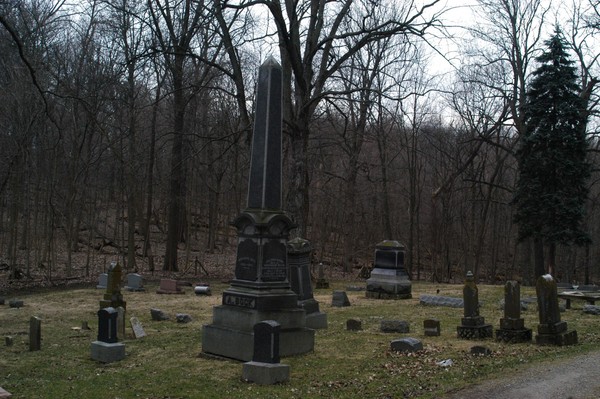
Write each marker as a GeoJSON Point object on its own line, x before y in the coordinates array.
{"type": "Point", "coordinates": [551, 330]}
{"type": "Point", "coordinates": [261, 288]}
{"type": "Point", "coordinates": [512, 325]}
{"type": "Point", "coordinates": [472, 325]}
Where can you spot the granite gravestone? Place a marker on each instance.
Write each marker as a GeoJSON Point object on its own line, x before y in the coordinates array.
{"type": "Point", "coordinates": [102, 281]}
{"type": "Point", "coordinates": [106, 348]}
{"type": "Point", "coordinates": [261, 288]}
{"type": "Point", "coordinates": [35, 334]}
{"type": "Point", "coordinates": [389, 279]}
{"type": "Point", "coordinates": [134, 283]}
{"type": "Point", "coordinates": [321, 280]}
{"type": "Point", "coordinates": [472, 325]}
{"type": "Point", "coordinates": [265, 367]}
{"type": "Point", "coordinates": [299, 253]}
{"type": "Point", "coordinates": [137, 328]}
{"type": "Point", "coordinates": [432, 327]}
{"type": "Point", "coordinates": [113, 297]}
{"type": "Point", "coordinates": [551, 330]}
{"type": "Point", "coordinates": [512, 326]}
{"type": "Point", "coordinates": [169, 286]}
{"type": "Point", "coordinates": [339, 299]}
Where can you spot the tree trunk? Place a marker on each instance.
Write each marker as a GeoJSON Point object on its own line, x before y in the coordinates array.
{"type": "Point", "coordinates": [538, 256]}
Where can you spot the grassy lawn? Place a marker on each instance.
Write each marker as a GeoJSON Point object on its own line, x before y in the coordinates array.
{"type": "Point", "coordinates": [167, 362]}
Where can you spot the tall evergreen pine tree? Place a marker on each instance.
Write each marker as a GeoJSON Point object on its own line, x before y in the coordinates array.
{"type": "Point", "coordinates": [553, 171]}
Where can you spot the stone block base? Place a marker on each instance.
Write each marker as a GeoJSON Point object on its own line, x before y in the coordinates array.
{"type": "Point", "coordinates": [514, 336]}
{"type": "Point", "coordinates": [559, 339]}
{"type": "Point", "coordinates": [237, 344]}
{"type": "Point", "coordinates": [387, 295]}
{"type": "Point", "coordinates": [475, 332]}
{"type": "Point", "coordinates": [265, 373]}
{"type": "Point", "coordinates": [316, 321]}
{"type": "Point", "coordinates": [107, 353]}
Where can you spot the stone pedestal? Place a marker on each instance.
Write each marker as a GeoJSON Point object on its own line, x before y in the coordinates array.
{"type": "Point", "coordinates": [106, 352]}
{"type": "Point", "coordinates": [472, 325]}
{"type": "Point", "coordinates": [512, 326]}
{"type": "Point", "coordinates": [389, 279]}
{"type": "Point", "coordinates": [261, 288]}
{"type": "Point", "coordinates": [299, 253]}
{"type": "Point", "coordinates": [551, 330]}
{"type": "Point", "coordinates": [265, 373]}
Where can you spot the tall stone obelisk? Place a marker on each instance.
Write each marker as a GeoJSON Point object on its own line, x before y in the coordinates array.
{"type": "Point", "coordinates": [261, 289]}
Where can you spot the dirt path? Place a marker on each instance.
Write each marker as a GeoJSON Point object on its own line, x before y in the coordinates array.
{"type": "Point", "coordinates": [575, 378]}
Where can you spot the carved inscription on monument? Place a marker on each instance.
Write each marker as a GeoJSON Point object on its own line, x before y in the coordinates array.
{"type": "Point", "coordinates": [245, 267]}
{"type": "Point", "coordinates": [274, 267]}
{"type": "Point", "coordinates": [239, 300]}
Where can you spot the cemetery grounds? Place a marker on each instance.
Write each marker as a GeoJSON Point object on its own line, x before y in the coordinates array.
{"type": "Point", "coordinates": [168, 363]}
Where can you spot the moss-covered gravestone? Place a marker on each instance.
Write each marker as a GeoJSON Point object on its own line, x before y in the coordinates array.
{"type": "Point", "coordinates": [551, 330]}
{"type": "Point", "coordinates": [113, 297]}
{"type": "Point", "coordinates": [472, 325]}
{"type": "Point", "coordinates": [512, 326]}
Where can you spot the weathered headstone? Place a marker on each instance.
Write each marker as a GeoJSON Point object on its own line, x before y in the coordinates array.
{"type": "Point", "coordinates": [339, 299]}
{"type": "Point", "coordinates": [8, 340]}
{"type": "Point", "coordinates": [406, 345]}
{"type": "Point", "coordinates": [4, 394]}
{"type": "Point", "coordinates": [591, 309]}
{"type": "Point", "coordinates": [183, 318]}
{"type": "Point", "coordinates": [394, 326]}
{"type": "Point", "coordinates": [2, 300]}
{"type": "Point", "coordinates": [472, 325]}
{"type": "Point", "coordinates": [113, 297]}
{"type": "Point", "coordinates": [135, 283]}
{"type": "Point", "coordinates": [389, 279]}
{"type": "Point", "coordinates": [84, 325]}
{"type": "Point", "coordinates": [106, 348]}
{"type": "Point", "coordinates": [436, 300]}
{"type": "Point", "coordinates": [202, 290]}
{"type": "Point", "coordinates": [35, 333]}
{"type": "Point", "coordinates": [481, 350]}
{"type": "Point", "coordinates": [137, 328]}
{"type": "Point", "coordinates": [431, 327]}
{"type": "Point", "coordinates": [353, 325]}
{"type": "Point", "coordinates": [120, 323]}
{"type": "Point", "coordinates": [261, 288]}
{"type": "Point", "coordinates": [15, 303]}
{"type": "Point", "coordinates": [169, 286]}
{"type": "Point", "coordinates": [299, 254]}
{"type": "Point", "coordinates": [512, 326]}
{"type": "Point", "coordinates": [265, 367]}
{"type": "Point", "coordinates": [551, 330]}
{"type": "Point", "coordinates": [158, 315]}
{"type": "Point", "coordinates": [321, 280]}
{"type": "Point", "coordinates": [102, 281]}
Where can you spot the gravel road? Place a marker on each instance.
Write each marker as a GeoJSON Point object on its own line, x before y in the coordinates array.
{"type": "Point", "coordinates": [575, 378]}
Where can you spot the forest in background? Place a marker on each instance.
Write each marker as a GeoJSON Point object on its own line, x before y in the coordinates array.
{"type": "Point", "coordinates": [125, 131]}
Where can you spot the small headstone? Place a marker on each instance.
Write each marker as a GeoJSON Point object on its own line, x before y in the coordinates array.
{"type": "Point", "coordinates": [183, 318]}
{"type": "Point", "coordinates": [512, 326]}
{"type": "Point", "coordinates": [472, 325]}
{"type": "Point", "coordinates": [120, 323]}
{"type": "Point", "coordinates": [265, 368]}
{"type": "Point", "coordinates": [435, 300]}
{"type": "Point", "coordinates": [321, 280]}
{"type": "Point", "coordinates": [340, 299]}
{"type": "Point", "coordinates": [432, 327]}
{"type": "Point", "coordinates": [551, 330]}
{"type": "Point", "coordinates": [102, 281]}
{"type": "Point", "coordinates": [406, 345]}
{"type": "Point", "coordinates": [134, 283]}
{"type": "Point", "coordinates": [8, 340]}
{"type": "Point", "coordinates": [2, 300]}
{"type": "Point", "coordinates": [107, 325]}
{"type": "Point", "coordinates": [353, 325]}
{"type": "Point", "coordinates": [15, 303]}
{"type": "Point", "coordinates": [136, 326]}
{"type": "Point", "coordinates": [394, 326]}
{"type": "Point", "coordinates": [202, 290]}
{"type": "Point", "coordinates": [107, 349]}
{"type": "Point", "coordinates": [168, 286]}
{"type": "Point", "coordinates": [481, 350]}
{"type": "Point", "coordinates": [158, 315]}
{"type": "Point", "coordinates": [591, 309]}
{"type": "Point", "coordinates": [35, 334]}
{"type": "Point", "coordinates": [84, 325]}
{"type": "Point", "coordinates": [5, 394]}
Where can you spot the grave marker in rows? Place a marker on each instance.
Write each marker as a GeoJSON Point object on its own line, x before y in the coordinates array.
{"type": "Point", "coordinates": [551, 330]}
{"type": "Point", "coordinates": [35, 333]}
{"type": "Point", "coordinates": [512, 326]}
{"type": "Point", "coordinates": [389, 279]}
{"type": "Point", "coordinates": [135, 283]}
{"type": "Point", "coordinates": [472, 325]}
{"type": "Point", "coordinates": [106, 348]}
{"type": "Point", "coordinates": [265, 367]}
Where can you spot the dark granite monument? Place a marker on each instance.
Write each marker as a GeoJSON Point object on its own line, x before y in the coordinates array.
{"type": "Point", "coordinates": [265, 367]}
{"type": "Point", "coordinates": [389, 279]}
{"type": "Point", "coordinates": [299, 252]}
{"type": "Point", "coordinates": [35, 333]}
{"type": "Point", "coordinates": [472, 325]}
{"type": "Point", "coordinates": [261, 288]}
{"type": "Point", "coordinates": [512, 326]}
{"type": "Point", "coordinates": [107, 348]}
{"type": "Point", "coordinates": [551, 331]}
